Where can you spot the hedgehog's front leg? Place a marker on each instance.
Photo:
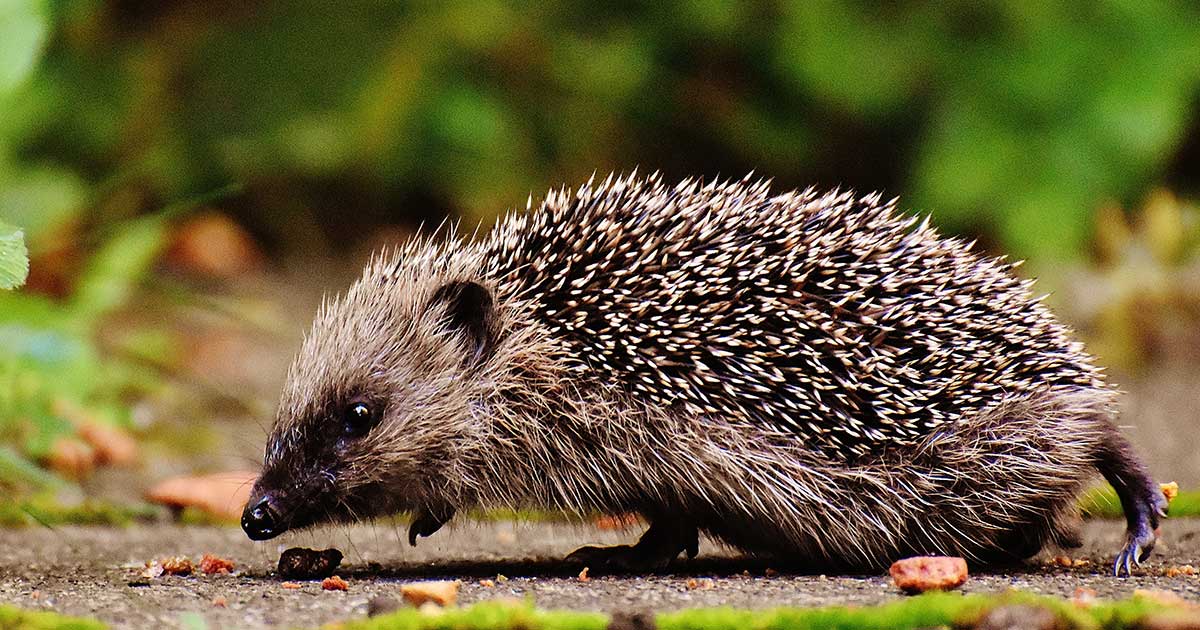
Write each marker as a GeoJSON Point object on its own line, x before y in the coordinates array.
{"type": "Point", "coordinates": [1141, 499]}
{"type": "Point", "coordinates": [661, 544]}
{"type": "Point", "coordinates": [426, 521]}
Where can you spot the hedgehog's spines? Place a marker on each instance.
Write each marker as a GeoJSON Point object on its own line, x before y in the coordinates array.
{"type": "Point", "coordinates": [624, 229]}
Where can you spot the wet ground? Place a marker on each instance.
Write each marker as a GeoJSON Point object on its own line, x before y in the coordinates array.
{"type": "Point", "coordinates": [95, 572]}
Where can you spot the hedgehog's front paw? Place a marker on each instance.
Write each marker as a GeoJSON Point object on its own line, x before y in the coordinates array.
{"type": "Point", "coordinates": [426, 522]}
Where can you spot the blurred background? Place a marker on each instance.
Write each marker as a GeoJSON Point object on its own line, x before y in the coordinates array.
{"type": "Point", "coordinates": [189, 178]}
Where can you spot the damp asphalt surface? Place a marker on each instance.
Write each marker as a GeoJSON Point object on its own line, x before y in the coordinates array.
{"type": "Point", "coordinates": [94, 571]}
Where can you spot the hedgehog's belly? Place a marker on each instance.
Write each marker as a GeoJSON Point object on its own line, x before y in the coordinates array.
{"type": "Point", "coordinates": [826, 549]}
{"type": "Point", "coordinates": [996, 487]}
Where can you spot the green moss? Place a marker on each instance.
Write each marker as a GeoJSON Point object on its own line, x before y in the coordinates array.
{"type": "Point", "coordinates": [14, 618]}
{"type": "Point", "coordinates": [930, 610]}
{"type": "Point", "coordinates": [482, 616]}
{"type": "Point", "coordinates": [1102, 502]}
{"type": "Point", "coordinates": [923, 611]}
{"type": "Point", "coordinates": [935, 609]}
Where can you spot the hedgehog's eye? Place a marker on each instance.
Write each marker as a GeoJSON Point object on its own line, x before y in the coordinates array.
{"type": "Point", "coordinates": [358, 419]}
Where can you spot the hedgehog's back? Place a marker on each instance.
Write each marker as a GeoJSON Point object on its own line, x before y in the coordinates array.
{"type": "Point", "coordinates": [828, 316]}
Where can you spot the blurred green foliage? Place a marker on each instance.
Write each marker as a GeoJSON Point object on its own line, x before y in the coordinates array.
{"type": "Point", "coordinates": [318, 122]}
{"type": "Point", "coordinates": [51, 363]}
{"type": "Point", "coordinates": [1008, 120]}
{"type": "Point", "coordinates": [47, 511]}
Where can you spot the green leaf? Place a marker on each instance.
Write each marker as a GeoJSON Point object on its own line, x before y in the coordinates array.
{"type": "Point", "coordinates": [23, 31]}
{"type": "Point", "coordinates": [14, 258]}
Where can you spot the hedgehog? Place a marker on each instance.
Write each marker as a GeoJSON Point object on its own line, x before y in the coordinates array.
{"type": "Point", "coordinates": [812, 377]}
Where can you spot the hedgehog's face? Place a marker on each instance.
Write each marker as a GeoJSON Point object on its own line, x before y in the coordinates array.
{"type": "Point", "coordinates": [377, 407]}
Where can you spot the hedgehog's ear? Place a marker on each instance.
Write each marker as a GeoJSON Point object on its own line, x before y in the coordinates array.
{"type": "Point", "coordinates": [471, 311]}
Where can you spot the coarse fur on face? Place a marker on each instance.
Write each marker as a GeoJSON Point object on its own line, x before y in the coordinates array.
{"type": "Point", "coordinates": [406, 341]}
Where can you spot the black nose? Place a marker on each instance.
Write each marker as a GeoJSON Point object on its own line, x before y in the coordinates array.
{"type": "Point", "coordinates": [260, 520]}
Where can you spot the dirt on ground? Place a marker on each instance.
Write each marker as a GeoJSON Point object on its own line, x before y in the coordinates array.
{"type": "Point", "coordinates": [95, 571]}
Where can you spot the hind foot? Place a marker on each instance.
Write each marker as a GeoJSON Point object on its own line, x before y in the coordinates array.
{"type": "Point", "coordinates": [1141, 500]}
{"type": "Point", "coordinates": [1138, 545]}
{"type": "Point", "coordinates": [1142, 511]}
{"type": "Point", "coordinates": [661, 544]}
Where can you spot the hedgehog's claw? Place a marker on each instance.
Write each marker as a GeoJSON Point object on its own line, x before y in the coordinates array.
{"type": "Point", "coordinates": [1136, 550]}
{"type": "Point", "coordinates": [655, 550]}
{"type": "Point", "coordinates": [1123, 566]}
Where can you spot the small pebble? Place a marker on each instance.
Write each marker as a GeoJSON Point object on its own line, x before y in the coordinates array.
{"type": "Point", "coordinates": [299, 563]}
{"type": "Point", "coordinates": [382, 605]}
{"type": "Point", "coordinates": [928, 573]}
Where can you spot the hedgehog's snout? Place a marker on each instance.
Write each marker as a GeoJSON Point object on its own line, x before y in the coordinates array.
{"type": "Point", "coordinates": [261, 520]}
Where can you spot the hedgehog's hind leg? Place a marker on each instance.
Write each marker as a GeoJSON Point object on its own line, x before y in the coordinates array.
{"type": "Point", "coordinates": [1141, 500]}
{"type": "Point", "coordinates": [661, 544]}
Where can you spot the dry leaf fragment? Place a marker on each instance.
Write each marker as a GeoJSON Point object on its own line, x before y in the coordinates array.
{"type": "Point", "coordinates": [177, 565]}
{"type": "Point", "coordinates": [112, 445]}
{"type": "Point", "coordinates": [210, 564]}
{"type": "Point", "coordinates": [71, 458]}
{"type": "Point", "coordinates": [441, 593]}
{"type": "Point", "coordinates": [212, 244]}
{"type": "Point", "coordinates": [334, 583]}
{"type": "Point", "coordinates": [222, 495]}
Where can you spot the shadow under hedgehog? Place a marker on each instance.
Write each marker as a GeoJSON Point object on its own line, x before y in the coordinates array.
{"type": "Point", "coordinates": [809, 377]}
